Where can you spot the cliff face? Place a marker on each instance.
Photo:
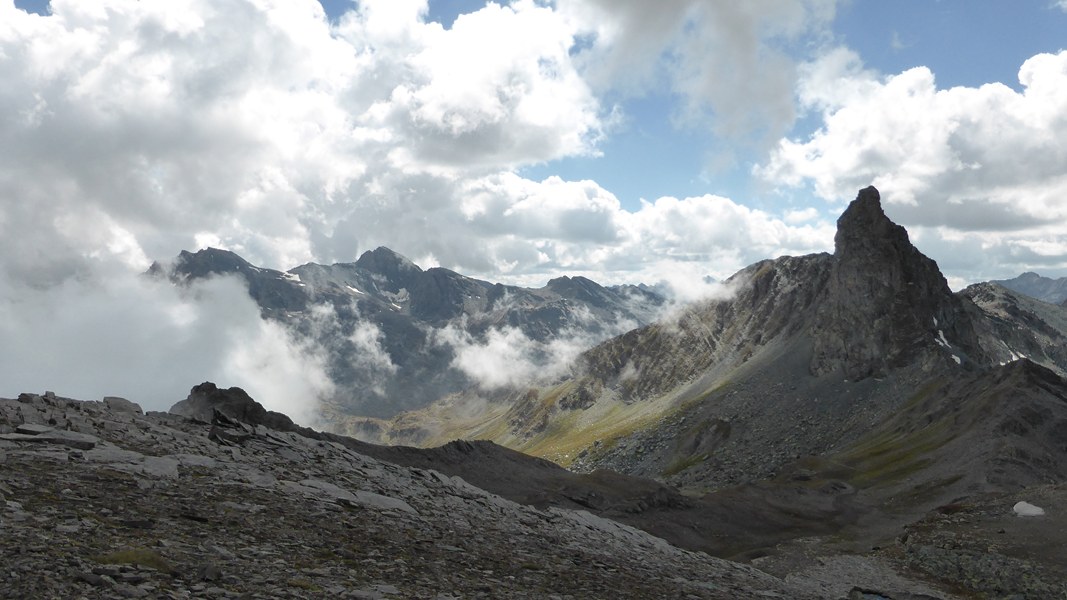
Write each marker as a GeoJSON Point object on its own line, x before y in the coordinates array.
{"type": "Point", "coordinates": [770, 301]}
{"type": "Point", "coordinates": [885, 305]}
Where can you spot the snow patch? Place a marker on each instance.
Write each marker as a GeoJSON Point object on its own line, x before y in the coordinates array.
{"type": "Point", "coordinates": [291, 277]}
{"type": "Point", "coordinates": [941, 341]}
{"type": "Point", "coordinates": [1025, 509]}
{"type": "Point", "coordinates": [1014, 356]}
{"type": "Point", "coordinates": [957, 359]}
{"type": "Point", "coordinates": [354, 290]}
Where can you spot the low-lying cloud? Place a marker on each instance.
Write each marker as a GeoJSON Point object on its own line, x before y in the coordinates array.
{"type": "Point", "coordinates": [150, 341]}
{"type": "Point", "coordinates": [506, 357]}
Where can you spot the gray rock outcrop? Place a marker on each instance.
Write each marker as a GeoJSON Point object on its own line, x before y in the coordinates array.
{"type": "Point", "coordinates": [885, 302]}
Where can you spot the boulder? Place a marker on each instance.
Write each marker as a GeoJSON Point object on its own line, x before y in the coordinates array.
{"type": "Point", "coordinates": [122, 405]}
{"type": "Point", "coordinates": [206, 399]}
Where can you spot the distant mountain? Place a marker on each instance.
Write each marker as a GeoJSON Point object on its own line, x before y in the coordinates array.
{"type": "Point", "coordinates": [388, 348]}
{"type": "Point", "coordinates": [1017, 326]}
{"type": "Point", "coordinates": [1053, 291]}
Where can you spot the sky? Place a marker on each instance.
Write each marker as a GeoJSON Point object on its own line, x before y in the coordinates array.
{"type": "Point", "coordinates": [517, 141]}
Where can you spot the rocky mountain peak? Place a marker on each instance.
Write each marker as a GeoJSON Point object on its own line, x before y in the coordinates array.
{"type": "Point", "coordinates": [1053, 291]}
{"type": "Point", "coordinates": [864, 227]}
{"type": "Point", "coordinates": [886, 304]}
{"type": "Point", "coordinates": [397, 270]}
{"type": "Point", "coordinates": [384, 261]}
{"type": "Point", "coordinates": [577, 288]}
{"type": "Point", "coordinates": [209, 261]}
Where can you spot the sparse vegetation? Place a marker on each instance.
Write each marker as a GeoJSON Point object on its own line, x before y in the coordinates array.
{"type": "Point", "coordinates": [684, 462]}
{"type": "Point", "coordinates": [143, 557]}
{"type": "Point", "coordinates": [303, 584]}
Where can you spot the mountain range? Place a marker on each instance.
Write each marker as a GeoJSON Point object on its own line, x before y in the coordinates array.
{"type": "Point", "coordinates": [873, 320]}
{"type": "Point", "coordinates": [394, 331]}
{"type": "Point", "coordinates": [1049, 290]}
{"type": "Point", "coordinates": [848, 396]}
{"type": "Point", "coordinates": [844, 423]}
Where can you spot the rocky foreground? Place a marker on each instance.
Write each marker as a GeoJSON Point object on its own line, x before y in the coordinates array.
{"type": "Point", "coordinates": [98, 500]}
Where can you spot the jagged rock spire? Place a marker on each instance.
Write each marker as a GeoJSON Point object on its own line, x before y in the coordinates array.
{"type": "Point", "coordinates": [886, 305]}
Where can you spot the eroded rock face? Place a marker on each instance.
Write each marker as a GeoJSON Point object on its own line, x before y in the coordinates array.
{"type": "Point", "coordinates": [885, 302]}
{"type": "Point", "coordinates": [1015, 326]}
{"type": "Point", "coordinates": [163, 506]}
{"type": "Point", "coordinates": [771, 300]}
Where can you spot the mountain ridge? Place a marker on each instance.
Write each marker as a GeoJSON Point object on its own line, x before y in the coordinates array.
{"type": "Point", "coordinates": [847, 337]}
{"type": "Point", "coordinates": [397, 330]}
{"type": "Point", "coordinates": [1046, 289]}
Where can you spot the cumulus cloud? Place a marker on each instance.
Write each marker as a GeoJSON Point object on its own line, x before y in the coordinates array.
{"type": "Point", "coordinates": [144, 129]}
{"type": "Point", "coordinates": [166, 124]}
{"type": "Point", "coordinates": [984, 162]}
{"type": "Point", "coordinates": [151, 341]}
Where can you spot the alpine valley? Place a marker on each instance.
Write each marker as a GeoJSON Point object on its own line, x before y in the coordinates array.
{"type": "Point", "coordinates": [827, 426]}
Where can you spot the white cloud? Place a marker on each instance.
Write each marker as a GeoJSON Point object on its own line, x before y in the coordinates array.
{"type": "Point", "coordinates": [729, 61]}
{"type": "Point", "coordinates": [168, 123]}
{"type": "Point", "coordinates": [986, 162]}
{"type": "Point", "coordinates": [583, 230]}
{"type": "Point", "coordinates": [507, 357]}
{"type": "Point", "coordinates": [162, 127]}
{"type": "Point", "coordinates": [150, 341]}
{"type": "Point", "coordinates": [802, 215]}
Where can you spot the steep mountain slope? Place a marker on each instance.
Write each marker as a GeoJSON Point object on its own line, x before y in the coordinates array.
{"type": "Point", "coordinates": [1000, 429]}
{"type": "Point", "coordinates": [732, 371]}
{"type": "Point", "coordinates": [393, 330]}
{"type": "Point", "coordinates": [807, 355]}
{"type": "Point", "coordinates": [832, 403]}
{"type": "Point", "coordinates": [1053, 291]}
{"type": "Point", "coordinates": [884, 301]}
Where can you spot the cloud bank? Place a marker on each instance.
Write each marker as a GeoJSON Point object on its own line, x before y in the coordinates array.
{"type": "Point", "coordinates": [145, 339]}
{"type": "Point", "coordinates": [146, 128]}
